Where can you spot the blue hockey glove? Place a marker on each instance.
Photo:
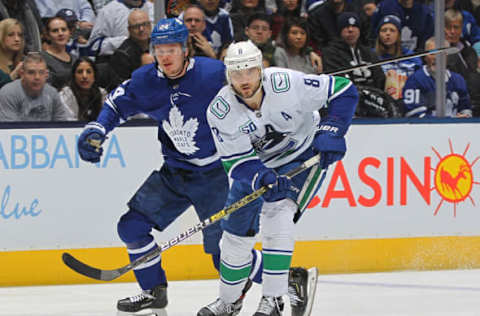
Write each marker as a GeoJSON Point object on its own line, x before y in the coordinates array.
{"type": "Point", "coordinates": [90, 142]}
{"type": "Point", "coordinates": [281, 185]}
{"type": "Point", "coordinates": [330, 142]}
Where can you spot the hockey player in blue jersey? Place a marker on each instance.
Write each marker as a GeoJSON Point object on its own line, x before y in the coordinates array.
{"type": "Point", "coordinates": [264, 126]}
{"type": "Point", "coordinates": [175, 91]}
{"type": "Point", "coordinates": [419, 91]}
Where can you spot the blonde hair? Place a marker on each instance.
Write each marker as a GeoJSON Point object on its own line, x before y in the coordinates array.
{"type": "Point", "coordinates": [452, 15]}
{"type": "Point", "coordinates": [5, 27]}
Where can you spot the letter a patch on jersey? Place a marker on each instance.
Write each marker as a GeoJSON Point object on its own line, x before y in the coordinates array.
{"type": "Point", "coordinates": [280, 82]}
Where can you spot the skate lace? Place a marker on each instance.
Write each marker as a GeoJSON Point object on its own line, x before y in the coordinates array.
{"type": "Point", "coordinates": [219, 306]}
{"type": "Point", "coordinates": [293, 295]}
{"type": "Point", "coordinates": [140, 297]}
{"type": "Point", "coordinates": [267, 304]}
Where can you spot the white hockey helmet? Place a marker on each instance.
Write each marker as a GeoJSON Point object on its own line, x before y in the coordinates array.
{"type": "Point", "coordinates": [243, 55]}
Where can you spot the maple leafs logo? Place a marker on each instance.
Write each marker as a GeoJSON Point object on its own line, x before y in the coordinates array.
{"type": "Point", "coordinates": [181, 134]}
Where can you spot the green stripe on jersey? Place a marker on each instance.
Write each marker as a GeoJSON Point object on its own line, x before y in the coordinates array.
{"type": "Point", "coordinates": [340, 83]}
{"type": "Point", "coordinates": [276, 262]}
{"type": "Point", "coordinates": [228, 164]}
{"type": "Point", "coordinates": [233, 275]}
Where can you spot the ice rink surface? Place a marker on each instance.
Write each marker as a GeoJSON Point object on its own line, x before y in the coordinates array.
{"type": "Point", "coordinates": [436, 293]}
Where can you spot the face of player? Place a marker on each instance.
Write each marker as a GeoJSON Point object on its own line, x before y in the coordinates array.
{"type": "Point", "coordinates": [84, 75]}
{"type": "Point", "coordinates": [297, 37]}
{"type": "Point", "coordinates": [34, 76]}
{"type": "Point", "coordinates": [171, 59]}
{"type": "Point", "coordinates": [350, 35]}
{"type": "Point", "coordinates": [14, 38]}
{"type": "Point", "coordinates": [245, 81]}
{"type": "Point", "coordinates": [58, 32]}
{"type": "Point", "coordinates": [453, 31]}
{"type": "Point", "coordinates": [388, 34]}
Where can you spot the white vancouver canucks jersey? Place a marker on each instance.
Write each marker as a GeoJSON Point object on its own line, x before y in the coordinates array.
{"type": "Point", "coordinates": [283, 127]}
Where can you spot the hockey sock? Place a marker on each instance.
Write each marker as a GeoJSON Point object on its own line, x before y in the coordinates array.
{"type": "Point", "coordinates": [278, 242]}
{"type": "Point", "coordinates": [235, 265]}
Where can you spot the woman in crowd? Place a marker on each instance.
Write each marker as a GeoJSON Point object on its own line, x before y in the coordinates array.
{"type": "Point", "coordinates": [287, 9]}
{"type": "Point", "coordinates": [388, 45]}
{"type": "Point", "coordinates": [83, 96]}
{"type": "Point", "coordinates": [295, 40]}
{"type": "Point", "coordinates": [12, 44]}
{"type": "Point", "coordinates": [59, 61]}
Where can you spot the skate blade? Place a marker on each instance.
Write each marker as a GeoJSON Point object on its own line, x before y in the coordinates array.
{"type": "Point", "coordinates": [312, 289]}
{"type": "Point", "coordinates": [147, 312]}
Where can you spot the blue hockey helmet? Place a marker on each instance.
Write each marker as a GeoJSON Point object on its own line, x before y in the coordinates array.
{"type": "Point", "coordinates": [169, 31]}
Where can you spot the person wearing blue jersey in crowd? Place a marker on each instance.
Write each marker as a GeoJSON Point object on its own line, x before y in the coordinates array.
{"type": "Point", "coordinates": [389, 45]}
{"type": "Point", "coordinates": [175, 91]}
{"type": "Point", "coordinates": [419, 91]}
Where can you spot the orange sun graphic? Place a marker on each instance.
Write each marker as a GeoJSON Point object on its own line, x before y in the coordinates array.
{"type": "Point", "coordinates": [453, 178]}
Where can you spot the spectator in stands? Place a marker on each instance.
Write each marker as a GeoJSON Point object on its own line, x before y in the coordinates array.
{"type": "Point", "coordinates": [26, 12]}
{"type": "Point", "coordinates": [82, 8]}
{"type": "Point", "coordinates": [31, 98]}
{"type": "Point", "coordinates": [12, 44]}
{"type": "Point", "coordinates": [219, 24]}
{"type": "Point", "coordinates": [347, 51]}
{"type": "Point", "coordinates": [287, 9]}
{"type": "Point", "coordinates": [98, 4]}
{"type": "Point", "coordinates": [77, 45]}
{"type": "Point", "coordinates": [389, 45]}
{"type": "Point", "coordinates": [240, 14]}
{"type": "Point", "coordinates": [368, 7]}
{"type": "Point", "coordinates": [128, 56]}
{"type": "Point", "coordinates": [58, 60]}
{"type": "Point", "coordinates": [294, 53]}
{"type": "Point", "coordinates": [322, 22]}
{"type": "Point", "coordinates": [111, 26]}
{"type": "Point", "coordinates": [173, 8]}
{"type": "Point", "coordinates": [83, 96]}
{"type": "Point", "coordinates": [466, 60]}
{"type": "Point", "coordinates": [419, 91]}
{"type": "Point", "coordinates": [416, 20]}
{"type": "Point", "coordinates": [470, 28]}
{"type": "Point", "coordinates": [259, 31]}
{"type": "Point", "coordinates": [198, 37]}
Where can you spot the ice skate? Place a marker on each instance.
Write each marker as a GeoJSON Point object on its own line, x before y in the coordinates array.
{"type": "Point", "coordinates": [302, 285]}
{"type": "Point", "coordinates": [220, 308]}
{"type": "Point", "coordinates": [150, 302]}
{"type": "Point", "coordinates": [270, 306]}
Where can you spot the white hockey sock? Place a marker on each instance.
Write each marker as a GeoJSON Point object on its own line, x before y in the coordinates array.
{"type": "Point", "coordinates": [278, 241]}
{"type": "Point", "coordinates": [235, 265]}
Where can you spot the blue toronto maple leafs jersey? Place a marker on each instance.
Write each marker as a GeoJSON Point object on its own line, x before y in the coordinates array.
{"type": "Point", "coordinates": [419, 94]}
{"type": "Point", "coordinates": [179, 106]}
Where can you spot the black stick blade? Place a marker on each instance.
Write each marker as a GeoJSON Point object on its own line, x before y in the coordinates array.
{"type": "Point", "coordinates": [88, 271]}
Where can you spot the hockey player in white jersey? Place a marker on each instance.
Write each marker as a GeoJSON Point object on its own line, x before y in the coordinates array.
{"type": "Point", "coordinates": [264, 126]}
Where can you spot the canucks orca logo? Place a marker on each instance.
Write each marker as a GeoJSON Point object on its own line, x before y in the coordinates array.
{"type": "Point", "coordinates": [271, 139]}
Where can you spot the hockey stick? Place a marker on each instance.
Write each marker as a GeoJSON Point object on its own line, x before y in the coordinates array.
{"type": "Point", "coordinates": [446, 50]}
{"type": "Point", "coordinates": [109, 275]}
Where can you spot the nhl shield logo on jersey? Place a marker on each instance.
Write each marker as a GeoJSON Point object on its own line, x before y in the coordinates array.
{"type": "Point", "coordinates": [181, 133]}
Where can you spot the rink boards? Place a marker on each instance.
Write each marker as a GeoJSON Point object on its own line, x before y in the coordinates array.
{"type": "Point", "coordinates": [406, 197]}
